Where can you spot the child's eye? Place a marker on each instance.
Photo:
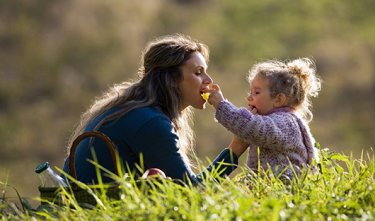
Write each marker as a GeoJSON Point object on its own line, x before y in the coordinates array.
{"type": "Point", "coordinates": [253, 93]}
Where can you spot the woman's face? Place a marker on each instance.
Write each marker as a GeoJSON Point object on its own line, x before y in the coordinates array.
{"type": "Point", "coordinates": [195, 80]}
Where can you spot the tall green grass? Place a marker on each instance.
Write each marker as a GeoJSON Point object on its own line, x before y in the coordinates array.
{"type": "Point", "coordinates": [343, 189]}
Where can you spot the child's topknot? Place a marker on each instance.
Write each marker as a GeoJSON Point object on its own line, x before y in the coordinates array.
{"type": "Point", "coordinates": [305, 69]}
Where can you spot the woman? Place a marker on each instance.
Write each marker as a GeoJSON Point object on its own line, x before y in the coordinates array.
{"type": "Point", "coordinates": [149, 119]}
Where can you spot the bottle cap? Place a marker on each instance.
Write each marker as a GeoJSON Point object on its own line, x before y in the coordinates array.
{"type": "Point", "coordinates": [41, 167]}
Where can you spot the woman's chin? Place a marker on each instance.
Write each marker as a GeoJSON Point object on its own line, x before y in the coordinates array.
{"type": "Point", "coordinates": [200, 106]}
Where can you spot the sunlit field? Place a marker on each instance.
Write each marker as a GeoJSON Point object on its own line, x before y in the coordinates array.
{"type": "Point", "coordinates": [342, 189]}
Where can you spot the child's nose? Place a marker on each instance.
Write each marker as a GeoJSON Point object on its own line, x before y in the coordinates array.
{"type": "Point", "coordinates": [249, 98]}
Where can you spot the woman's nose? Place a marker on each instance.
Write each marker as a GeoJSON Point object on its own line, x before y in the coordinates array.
{"type": "Point", "coordinates": [207, 79]}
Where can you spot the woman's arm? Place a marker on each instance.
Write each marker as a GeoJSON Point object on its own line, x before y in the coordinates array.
{"type": "Point", "coordinates": [158, 143]}
{"type": "Point", "coordinates": [237, 146]}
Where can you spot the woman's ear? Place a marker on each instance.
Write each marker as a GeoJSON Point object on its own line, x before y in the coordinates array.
{"type": "Point", "coordinates": [280, 100]}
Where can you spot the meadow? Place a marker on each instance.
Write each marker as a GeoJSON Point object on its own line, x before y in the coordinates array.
{"type": "Point", "coordinates": [57, 56]}
{"type": "Point", "coordinates": [343, 188]}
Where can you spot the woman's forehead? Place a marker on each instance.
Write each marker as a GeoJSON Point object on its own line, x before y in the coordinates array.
{"type": "Point", "coordinates": [196, 60]}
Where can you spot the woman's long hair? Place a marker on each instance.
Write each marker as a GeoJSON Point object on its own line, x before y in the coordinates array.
{"type": "Point", "coordinates": [158, 86]}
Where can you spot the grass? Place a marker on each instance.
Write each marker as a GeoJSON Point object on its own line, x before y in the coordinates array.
{"type": "Point", "coordinates": [343, 189]}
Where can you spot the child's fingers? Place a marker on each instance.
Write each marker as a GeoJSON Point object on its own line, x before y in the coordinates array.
{"type": "Point", "coordinates": [215, 95]}
{"type": "Point", "coordinates": [254, 110]}
{"type": "Point", "coordinates": [214, 87]}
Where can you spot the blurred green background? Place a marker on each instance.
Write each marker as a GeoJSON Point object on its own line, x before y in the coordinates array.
{"type": "Point", "coordinates": [57, 56]}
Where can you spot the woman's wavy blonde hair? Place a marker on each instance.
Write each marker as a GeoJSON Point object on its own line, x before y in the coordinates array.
{"type": "Point", "coordinates": [157, 86]}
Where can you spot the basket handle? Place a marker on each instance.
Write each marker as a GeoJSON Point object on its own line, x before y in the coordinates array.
{"type": "Point", "coordinates": [110, 145]}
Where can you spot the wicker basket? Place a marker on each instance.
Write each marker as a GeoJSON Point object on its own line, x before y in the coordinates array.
{"type": "Point", "coordinates": [82, 196]}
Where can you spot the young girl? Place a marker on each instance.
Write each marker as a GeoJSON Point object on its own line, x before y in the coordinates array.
{"type": "Point", "coordinates": [277, 116]}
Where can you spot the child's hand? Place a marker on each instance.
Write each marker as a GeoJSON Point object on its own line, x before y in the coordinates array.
{"type": "Point", "coordinates": [215, 95]}
{"type": "Point", "coordinates": [253, 110]}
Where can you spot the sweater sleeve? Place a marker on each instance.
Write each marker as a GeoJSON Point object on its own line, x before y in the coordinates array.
{"type": "Point", "coordinates": [256, 129]}
{"type": "Point", "coordinates": [158, 144]}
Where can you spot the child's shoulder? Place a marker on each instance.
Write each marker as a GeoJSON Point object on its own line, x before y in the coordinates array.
{"type": "Point", "coordinates": [288, 118]}
{"type": "Point", "coordinates": [283, 113]}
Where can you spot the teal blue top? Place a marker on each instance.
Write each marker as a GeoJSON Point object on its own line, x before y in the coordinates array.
{"type": "Point", "coordinates": [145, 131]}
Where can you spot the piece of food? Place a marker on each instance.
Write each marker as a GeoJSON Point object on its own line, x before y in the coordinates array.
{"type": "Point", "coordinates": [205, 96]}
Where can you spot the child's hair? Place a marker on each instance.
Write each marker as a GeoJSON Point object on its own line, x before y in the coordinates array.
{"type": "Point", "coordinates": [296, 79]}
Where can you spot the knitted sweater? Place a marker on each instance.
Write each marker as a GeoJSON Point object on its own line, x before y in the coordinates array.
{"type": "Point", "coordinates": [282, 137]}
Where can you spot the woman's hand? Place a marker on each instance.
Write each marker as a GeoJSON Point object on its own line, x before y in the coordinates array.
{"type": "Point", "coordinates": [216, 96]}
{"type": "Point", "coordinates": [238, 146]}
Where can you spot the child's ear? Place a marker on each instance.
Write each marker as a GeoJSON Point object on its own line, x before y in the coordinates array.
{"type": "Point", "coordinates": [280, 100]}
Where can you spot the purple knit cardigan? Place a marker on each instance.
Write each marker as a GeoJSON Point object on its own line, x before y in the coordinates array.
{"type": "Point", "coordinates": [282, 137]}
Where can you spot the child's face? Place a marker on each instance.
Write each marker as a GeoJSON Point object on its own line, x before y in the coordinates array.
{"type": "Point", "coordinates": [260, 96]}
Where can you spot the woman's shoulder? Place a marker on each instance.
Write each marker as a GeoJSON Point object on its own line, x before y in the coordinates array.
{"type": "Point", "coordinates": [147, 118]}
{"type": "Point", "coordinates": [136, 120]}
{"type": "Point", "coordinates": [135, 116]}
{"type": "Point", "coordinates": [146, 113]}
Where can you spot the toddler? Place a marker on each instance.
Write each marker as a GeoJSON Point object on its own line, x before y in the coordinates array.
{"type": "Point", "coordinates": [276, 120]}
